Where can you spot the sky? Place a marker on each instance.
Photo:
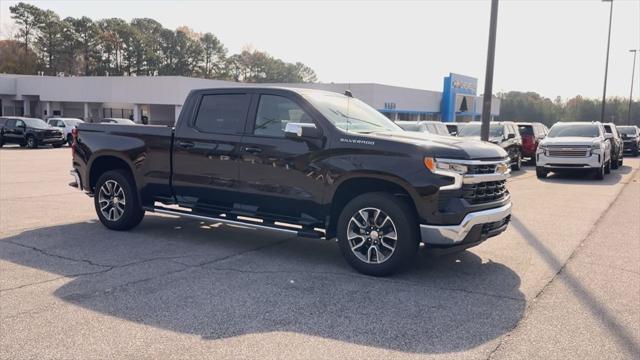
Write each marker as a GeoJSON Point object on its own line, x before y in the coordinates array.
{"type": "Point", "coordinates": [553, 47]}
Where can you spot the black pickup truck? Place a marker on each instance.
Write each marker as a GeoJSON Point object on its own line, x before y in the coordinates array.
{"type": "Point", "coordinates": [305, 162]}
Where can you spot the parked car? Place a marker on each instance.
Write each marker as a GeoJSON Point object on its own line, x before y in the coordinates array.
{"type": "Point", "coordinates": [454, 128]}
{"type": "Point", "coordinates": [119, 121]}
{"type": "Point", "coordinates": [504, 133]}
{"type": "Point", "coordinates": [531, 134]}
{"type": "Point", "coordinates": [304, 162]}
{"type": "Point", "coordinates": [431, 127]}
{"type": "Point", "coordinates": [66, 125]}
{"type": "Point", "coordinates": [29, 132]}
{"type": "Point", "coordinates": [631, 139]}
{"type": "Point", "coordinates": [617, 146]}
{"type": "Point", "coordinates": [574, 145]}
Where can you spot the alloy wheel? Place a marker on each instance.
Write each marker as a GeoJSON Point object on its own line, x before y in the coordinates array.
{"type": "Point", "coordinates": [112, 200]}
{"type": "Point", "coordinates": [372, 235]}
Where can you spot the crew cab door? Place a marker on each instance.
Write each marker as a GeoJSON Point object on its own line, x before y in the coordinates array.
{"type": "Point", "coordinates": [206, 149]}
{"type": "Point", "coordinates": [278, 176]}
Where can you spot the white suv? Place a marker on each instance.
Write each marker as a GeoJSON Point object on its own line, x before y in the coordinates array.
{"type": "Point", "coordinates": [574, 145]}
{"type": "Point", "coordinates": [66, 125]}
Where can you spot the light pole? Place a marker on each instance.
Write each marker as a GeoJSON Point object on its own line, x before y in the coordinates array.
{"type": "Point", "coordinates": [606, 66]}
{"type": "Point", "coordinates": [488, 79]}
{"type": "Point", "coordinates": [633, 72]}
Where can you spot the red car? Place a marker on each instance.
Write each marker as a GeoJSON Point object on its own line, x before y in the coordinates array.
{"type": "Point", "coordinates": [531, 134]}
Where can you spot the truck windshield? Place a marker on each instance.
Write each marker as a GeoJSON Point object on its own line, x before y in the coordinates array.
{"type": "Point", "coordinates": [36, 124]}
{"type": "Point", "coordinates": [350, 114]}
{"type": "Point", "coordinates": [469, 130]}
{"type": "Point", "coordinates": [627, 130]}
{"type": "Point", "coordinates": [578, 130]}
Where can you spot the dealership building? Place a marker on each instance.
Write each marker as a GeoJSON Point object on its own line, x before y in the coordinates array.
{"type": "Point", "coordinates": [158, 99]}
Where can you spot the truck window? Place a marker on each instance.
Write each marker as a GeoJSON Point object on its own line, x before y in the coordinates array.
{"type": "Point", "coordinates": [222, 113]}
{"type": "Point", "coordinates": [274, 112]}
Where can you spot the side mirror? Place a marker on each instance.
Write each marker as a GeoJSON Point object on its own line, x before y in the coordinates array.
{"type": "Point", "coordinates": [299, 131]}
{"type": "Point", "coordinates": [608, 136]}
{"type": "Point", "coordinates": [511, 136]}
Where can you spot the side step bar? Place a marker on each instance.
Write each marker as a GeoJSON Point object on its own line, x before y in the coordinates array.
{"type": "Point", "coordinates": [309, 233]}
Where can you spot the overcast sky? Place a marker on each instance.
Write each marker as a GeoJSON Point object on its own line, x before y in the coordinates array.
{"type": "Point", "coordinates": [551, 47]}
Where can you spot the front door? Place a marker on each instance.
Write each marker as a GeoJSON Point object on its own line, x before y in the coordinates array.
{"type": "Point", "coordinates": [206, 149]}
{"type": "Point", "coordinates": [278, 177]}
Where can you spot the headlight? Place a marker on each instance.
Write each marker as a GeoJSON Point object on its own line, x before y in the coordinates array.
{"type": "Point", "coordinates": [596, 146]}
{"type": "Point", "coordinates": [435, 165]}
{"type": "Point", "coordinates": [542, 147]}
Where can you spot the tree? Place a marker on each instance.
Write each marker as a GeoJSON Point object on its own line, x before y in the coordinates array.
{"type": "Point", "coordinates": [15, 60]}
{"type": "Point", "coordinates": [85, 33]}
{"type": "Point", "coordinates": [214, 55]}
{"type": "Point", "coordinates": [49, 40]}
{"type": "Point", "coordinates": [27, 17]}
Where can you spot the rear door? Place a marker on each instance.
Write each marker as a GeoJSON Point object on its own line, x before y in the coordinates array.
{"type": "Point", "coordinates": [206, 149]}
{"type": "Point", "coordinates": [277, 174]}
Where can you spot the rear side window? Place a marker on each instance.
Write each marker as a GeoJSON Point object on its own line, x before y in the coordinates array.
{"type": "Point", "coordinates": [607, 129]}
{"type": "Point", "coordinates": [222, 113]}
{"type": "Point", "coordinates": [525, 130]}
{"type": "Point", "coordinates": [10, 123]}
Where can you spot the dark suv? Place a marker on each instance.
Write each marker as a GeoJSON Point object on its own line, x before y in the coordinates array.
{"type": "Point", "coordinates": [531, 134]}
{"type": "Point", "coordinates": [29, 132]}
{"type": "Point", "coordinates": [631, 138]}
{"type": "Point", "coordinates": [503, 133]}
{"type": "Point", "coordinates": [617, 146]}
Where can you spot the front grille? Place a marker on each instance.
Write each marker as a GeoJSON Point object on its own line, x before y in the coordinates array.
{"type": "Point", "coordinates": [481, 169]}
{"type": "Point", "coordinates": [485, 192]}
{"type": "Point", "coordinates": [568, 153]}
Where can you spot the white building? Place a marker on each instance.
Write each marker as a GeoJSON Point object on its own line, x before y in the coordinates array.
{"type": "Point", "coordinates": [158, 99]}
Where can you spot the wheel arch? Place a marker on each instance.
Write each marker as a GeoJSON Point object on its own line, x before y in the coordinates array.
{"type": "Point", "coordinates": [351, 187]}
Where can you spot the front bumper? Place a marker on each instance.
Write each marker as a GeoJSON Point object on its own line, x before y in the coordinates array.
{"type": "Point", "coordinates": [474, 228]}
{"type": "Point", "coordinates": [630, 146]}
{"type": "Point", "coordinates": [77, 182]}
{"type": "Point", "coordinates": [579, 162]}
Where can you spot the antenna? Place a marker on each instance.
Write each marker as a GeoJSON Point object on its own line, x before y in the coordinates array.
{"type": "Point", "coordinates": [348, 93]}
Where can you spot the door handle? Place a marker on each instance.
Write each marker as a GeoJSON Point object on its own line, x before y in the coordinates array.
{"type": "Point", "coordinates": [253, 150]}
{"type": "Point", "coordinates": [186, 144]}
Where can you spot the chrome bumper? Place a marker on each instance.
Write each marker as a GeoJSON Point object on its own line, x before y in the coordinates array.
{"type": "Point", "coordinates": [454, 234]}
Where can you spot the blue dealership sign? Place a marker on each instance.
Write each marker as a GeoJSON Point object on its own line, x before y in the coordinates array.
{"type": "Point", "coordinates": [454, 96]}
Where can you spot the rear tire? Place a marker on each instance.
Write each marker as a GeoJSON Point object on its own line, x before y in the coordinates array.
{"type": "Point", "coordinates": [69, 139]}
{"type": "Point", "coordinates": [57, 145]}
{"type": "Point", "coordinates": [116, 201]}
{"type": "Point", "coordinates": [541, 172]}
{"type": "Point", "coordinates": [367, 243]}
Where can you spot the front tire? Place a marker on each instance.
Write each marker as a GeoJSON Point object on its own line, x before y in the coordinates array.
{"type": "Point", "coordinates": [541, 173]}
{"type": "Point", "coordinates": [69, 139]}
{"type": "Point", "coordinates": [116, 201]}
{"type": "Point", "coordinates": [518, 163]}
{"type": "Point", "coordinates": [32, 143]}
{"type": "Point", "coordinates": [614, 162]}
{"type": "Point", "coordinates": [377, 234]}
{"type": "Point", "coordinates": [607, 168]}
{"type": "Point", "coordinates": [600, 172]}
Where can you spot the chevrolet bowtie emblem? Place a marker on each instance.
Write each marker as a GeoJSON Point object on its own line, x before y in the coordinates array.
{"type": "Point", "coordinates": [502, 168]}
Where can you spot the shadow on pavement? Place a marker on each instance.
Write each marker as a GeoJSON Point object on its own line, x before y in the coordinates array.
{"type": "Point", "coordinates": [590, 302]}
{"type": "Point", "coordinates": [216, 282]}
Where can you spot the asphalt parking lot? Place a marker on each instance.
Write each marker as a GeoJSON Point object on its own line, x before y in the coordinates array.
{"type": "Point", "coordinates": [562, 282]}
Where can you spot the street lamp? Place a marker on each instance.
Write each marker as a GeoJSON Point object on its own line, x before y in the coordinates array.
{"type": "Point", "coordinates": [488, 79]}
{"type": "Point", "coordinates": [633, 72]}
{"type": "Point", "coordinates": [606, 66]}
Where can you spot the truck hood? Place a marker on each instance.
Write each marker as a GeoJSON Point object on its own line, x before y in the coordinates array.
{"type": "Point", "coordinates": [445, 146]}
{"type": "Point", "coordinates": [569, 140]}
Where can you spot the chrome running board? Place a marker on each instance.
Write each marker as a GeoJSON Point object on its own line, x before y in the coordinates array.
{"type": "Point", "coordinates": [313, 233]}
